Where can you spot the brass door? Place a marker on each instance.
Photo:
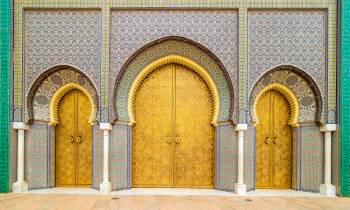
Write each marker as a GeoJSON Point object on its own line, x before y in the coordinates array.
{"type": "Point", "coordinates": [273, 142]}
{"type": "Point", "coordinates": [73, 141]}
{"type": "Point", "coordinates": [173, 138]}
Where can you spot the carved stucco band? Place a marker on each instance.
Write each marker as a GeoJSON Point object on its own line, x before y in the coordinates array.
{"type": "Point", "coordinates": [177, 60]}
{"type": "Point", "coordinates": [291, 98]}
{"type": "Point", "coordinates": [56, 98]}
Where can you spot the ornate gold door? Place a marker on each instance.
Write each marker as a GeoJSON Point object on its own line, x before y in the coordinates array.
{"type": "Point", "coordinates": [73, 141]}
{"type": "Point", "coordinates": [273, 142]}
{"type": "Point", "coordinates": [173, 139]}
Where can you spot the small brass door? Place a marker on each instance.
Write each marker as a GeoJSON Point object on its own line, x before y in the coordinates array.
{"type": "Point", "coordinates": [73, 141]}
{"type": "Point", "coordinates": [273, 142]}
{"type": "Point", "coordinates": [173, 140]}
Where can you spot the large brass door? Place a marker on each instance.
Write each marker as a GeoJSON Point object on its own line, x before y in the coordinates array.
{"type": "Point", "coordinates": [173, 140]}
{"type": "Point", "coordinates": [73, 141]}
{"type": "Point", "coordinates": [273, 142]}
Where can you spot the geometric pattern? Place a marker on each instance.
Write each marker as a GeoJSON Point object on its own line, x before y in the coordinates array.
{"type": "Point", "coordinates": [97, 156]}
{"type": "Point", "coordinates": [62, 37]}
{"type": "Point", "coordinates": [118, 157]}
{"type": "Point", "coordinates": [169, 48]}
{"type": "Point", "coordinates": [132, 29]}
{"type": "Point", "coordinates": [36, 156]}
{"type": "Point", "coordinates": [287, 37]}
{"type": "Point", "coordinates": [312, 156]}
{"type": "Point", "coordinates": [226, 157]}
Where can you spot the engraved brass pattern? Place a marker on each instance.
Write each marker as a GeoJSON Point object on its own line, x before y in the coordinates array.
{"type": "Point", "coordinates": [73, 141]}
{"type": "Point", "coordinates": [173, 137]}
{"type": "Point", "coordinates": [273, 142]}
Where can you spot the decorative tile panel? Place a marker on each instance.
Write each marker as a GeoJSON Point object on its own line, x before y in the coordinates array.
{"type": "Point", "coordinates": [249, 158]}
{"type": "Point", "coordinates": [312, 156]}
{"type": "Point", "coordinates": [168, 48]}
{"type": "Point", "coordinates": [56, 37]}
{"type": "Point", "coordinates": [97, 156]}
{"type": "Point", "coordinates": [287, 37]}
{"type": "Point", "coordinates": [13, 157]}
{"type": "Point", "coordinates": [226, 157]}
{"type": "Point", "coordinates": [36, 156]}
{"type": "Point", "coordinates": [118, 158]}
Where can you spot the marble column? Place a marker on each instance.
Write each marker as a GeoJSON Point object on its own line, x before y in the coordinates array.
{"type": "Point", "coordinates": [240, 187]}
{"type": "Point", "coordinates": [20, 185]}
{"type": "Point", "coordinates": [327, 188]}
{"type": "Point", "coordinates": [106, 185]}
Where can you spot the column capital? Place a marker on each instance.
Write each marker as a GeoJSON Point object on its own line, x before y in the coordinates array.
{"type": "Point", "coordinates": [106, 126]}
{"type": "Point", "coordinates": [328, 128]}
{"type": "Point", "coordinates": [241, 127]}
{"type": "Point", "coordinates": [20, 126]}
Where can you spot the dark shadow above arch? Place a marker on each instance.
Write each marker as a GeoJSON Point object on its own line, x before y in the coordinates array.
{"type": "Point", "coordinates": [181, 39]}
{"type": "Point", "coordinates": [39, 80]}
{"type": "Point", "coordinates": [311, 82]}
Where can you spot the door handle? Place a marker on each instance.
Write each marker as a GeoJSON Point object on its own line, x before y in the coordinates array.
{"type": "Point", "coordinates": [267, 140]}
{"type": "Point", "coordinates": [177, 140]}
{"type": "Point", "coordinates": [168, 139]}
{"type": "Point", "coordinates": [71, 139]}
{"type": "Point", "coordinates": [276, 140]}
{"type": "Point", "coordinates": [78, 139]}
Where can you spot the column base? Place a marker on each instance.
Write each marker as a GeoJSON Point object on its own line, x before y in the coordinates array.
{"type": "Point", "coordinates": [106, 187]}
{"type": "Point", "coordinates": [20, 187]}
{"type": "Point", "coordinates": [327, 189]}
{"type": "Point", "coordinates": [240, 189]}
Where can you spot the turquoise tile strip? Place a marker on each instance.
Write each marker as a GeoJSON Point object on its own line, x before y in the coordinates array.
{"type": "Point", "coordinates": [345, 98]}
{"type": "Point", "coordinates": [4, 92]}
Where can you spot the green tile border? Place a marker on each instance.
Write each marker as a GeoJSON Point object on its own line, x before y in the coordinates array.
{"type": "Point", "coordinates": [4, 92]}
{"type": "Point", "coordinates": [345, 98]}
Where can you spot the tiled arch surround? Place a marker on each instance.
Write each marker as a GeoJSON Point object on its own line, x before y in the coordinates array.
{"type": "Point", "coordinates": [100, 49]}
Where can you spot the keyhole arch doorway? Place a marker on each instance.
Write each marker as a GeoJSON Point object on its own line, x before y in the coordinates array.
{"type": "Point", "coordinates": [276, 110]}
{"type": "Point", "coordinates": [173, 110]}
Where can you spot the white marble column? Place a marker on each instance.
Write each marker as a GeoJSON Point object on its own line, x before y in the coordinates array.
{"type": "Point", "coordinates": [106, 185]}
{"type": "Point", "coordinates": [327, 188]}
{"type": "Point", "coordinates": [20, 185]}
{"type": "Point", "coordinates": [240, 187]}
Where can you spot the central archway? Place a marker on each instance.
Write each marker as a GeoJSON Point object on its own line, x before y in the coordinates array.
{"type": "Point", "coordinates": [173, 104]}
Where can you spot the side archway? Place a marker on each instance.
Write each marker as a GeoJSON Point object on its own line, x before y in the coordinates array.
{"type": "Point", "coordinates": [300, 84]}
{"type": "Point", "coordinates": [177, 60]}
{"type": "Point", "coordinates": [58, 96]}
{"type": "Point", "coordinates": [47, 84]}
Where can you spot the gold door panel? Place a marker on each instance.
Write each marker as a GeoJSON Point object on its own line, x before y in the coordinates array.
{"type": "Point", "coordinates": [73, 141]}
{"type": "Point", "coordinates": [194, 146]}
{"type": "Point", "coordinates": [273, 142]}
{"type": "Point", "coordinates": [65, 147]}
{"type": "Point", "coordinates": [152, 135]}
{"type": "Point", "coordinates": [282, 143]}
{"type": "Point", "coordinates": [173, 138]}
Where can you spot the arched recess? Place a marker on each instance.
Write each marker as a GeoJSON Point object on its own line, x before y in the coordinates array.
{"type": "Point", "coordinates": [289, 95]}
{"type": "Point", "coordinates": [177, 60]}
{"type": "Point", "coordinates": [302, 85]}
{"type": "Point", "coordinates": [58, 96]}
{"type": "Point", "coordinates": [172, 45]}
{"type": "Point", "coordinates": [47, 84]}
